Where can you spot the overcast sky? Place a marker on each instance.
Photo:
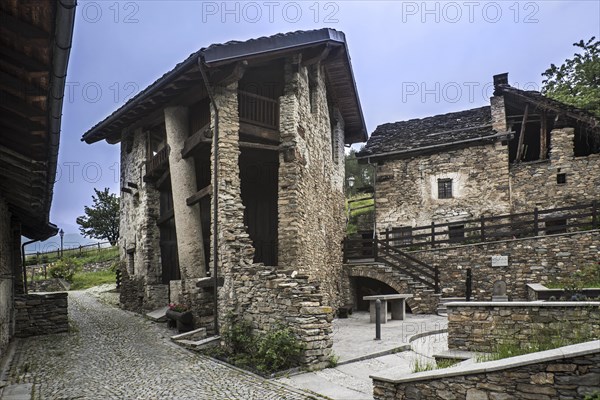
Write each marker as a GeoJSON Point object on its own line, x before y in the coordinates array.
{"type": "Point", "coordinates": [410, 60]}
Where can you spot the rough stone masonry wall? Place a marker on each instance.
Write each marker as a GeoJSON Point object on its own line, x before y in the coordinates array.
{"type": "Point", "coordinates": [260, 294]}
{"type": "Point", "coordinates": [569, 378]}
{"type": "Point", "coordinates": [6, 280]}
{"type": "Point", "coordinates": [138, 232]}
{"type": "Point", "coordinates": [407, 192]}
{"type": "Point", "coordinates": [311, 175]}
{"type": "Point", "coordinates": [534, 184]}
{"type": "Point", "coordinates": [41, 314]}
{"type": "Point", "coordinates": [542, 259]}
{"type": "Point", "coordinates": [482, 326]}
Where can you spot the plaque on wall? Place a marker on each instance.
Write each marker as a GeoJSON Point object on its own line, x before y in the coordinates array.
{"type": "Point", "coordinates": [499, 261]}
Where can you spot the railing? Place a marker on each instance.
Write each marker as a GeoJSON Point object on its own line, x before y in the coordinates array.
{"type": "Point", "coordinates": [50, 256]}
{"type": "Point", "coordinates": [509, 226]}
{"type": "Point", "coordinates": [258, 110]}
{"type": "Point", "coordinates": [159, 161]}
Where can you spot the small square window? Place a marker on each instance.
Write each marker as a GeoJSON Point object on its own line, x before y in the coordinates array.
{"type": "Point", "coordinates": [561, 179]}
{"type": "Point", "coordinates": [444, 188]}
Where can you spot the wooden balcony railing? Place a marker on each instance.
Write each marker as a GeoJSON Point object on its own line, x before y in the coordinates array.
{"type": "Point", "coordinates": [157, 164]}
{"type": "Point", "coordinates": [258, 110]}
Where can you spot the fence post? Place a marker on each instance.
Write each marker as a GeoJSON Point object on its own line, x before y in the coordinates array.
{"type": "Point", "coordinates": [595, 223]}
{"type": "Point", "coordinates": [432, 234]}
{"type": "Point", "coordinates": [377, 319]}
{"type": "Point", "coordinates": [375, 248]}
{"type": "Point", "coordinates": [482, 228]}
{"type": "Point", "coordinates": [468, 284]}
{"type": "Point", "coordinates": [98, 247]}
{"type": "Point", "coordinates": [80, 249]}
{"type": "Point", "coordinates": [535, 222]}
{"type": "Point", "coordinates": [436, 272]}
{"type": "Point", "coordinates": [118, 278]}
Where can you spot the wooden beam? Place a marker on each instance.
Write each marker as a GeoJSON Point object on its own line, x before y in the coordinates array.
{"type": "Point", "coordinates": [19, 106]}
{"type": "Point", "coordinates": [20, 60]}
{"type": "Point", "coordinates": [132, 185]}
{"type": "Point", "coordinates": [16, 85]}
{"type": "Point", "coordinates": [196, 197]}
{"type": "Point", "coordinates": [260, 146]}
{"type": "Point", "coordinates": [229, 74]}
{"type": "Point", "coordinates": [543, 137]}
{"type": "Point", "coordinates": [126, 190]}
{"type": "Point", "coordinates": [522, 134]}
{"type": "Point", "coordinates": [22, 28]}
{"type": "Point", "coordinates": [165, 217]}
{"type": "Point", "coordinates": [259, 132]}
{"type": "Point", "coordinates": [202, 136]}
{"type": "Point", "coordinates": [20, 124]}
{"type": "Point", "coordinates": [321, 56]}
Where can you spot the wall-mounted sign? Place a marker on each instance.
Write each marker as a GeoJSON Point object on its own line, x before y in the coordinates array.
{"type": "Point", "coordinates": [499, 261]}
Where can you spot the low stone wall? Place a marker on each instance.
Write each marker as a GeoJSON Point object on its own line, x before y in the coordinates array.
{"type": "Point", "coordinates": [49, 285]}
{"type": "Point", "coordinates": [569, 372]}
{"type": "Point", "coordinates": [480, 326]}
{"type": "Point", "coordinates": [41, 314]}
{"type": "Point", "coordinates": [539, 259]}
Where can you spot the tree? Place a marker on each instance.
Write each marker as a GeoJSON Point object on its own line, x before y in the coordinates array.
{"type": "Point", "coordinates": [577, 81]}
{"type": "Point", "coordinates": [101, 220]}
{"type": "Point", "coordinates": [360, 174]}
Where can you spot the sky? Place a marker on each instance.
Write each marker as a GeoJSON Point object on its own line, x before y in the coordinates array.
{"type": "Point", "coordinates": [411, 59]}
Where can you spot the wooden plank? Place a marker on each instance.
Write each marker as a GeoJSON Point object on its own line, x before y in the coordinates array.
{"type": "Point", "coordinates": [543, 136]}
{"type": "Point", "coordinates": [22, 28]}
{"type": "Point", "coordinates": [196, 197]}
{"type": "Point", "coordinates": [198, 138]}
{"type": "Point", "coordinates": [522, 134]}
{"type": "Point", "coordinates": [260, 146]}
{"type": "Point", "coordinates": [19, 106]}
{"type": "Point", "coordinates": [259, 132]}
{"type": "Point", "coordinates": [20, 60]}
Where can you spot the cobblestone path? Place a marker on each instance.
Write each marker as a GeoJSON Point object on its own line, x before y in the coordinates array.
{"type": "Point", "coordinates": [113, 354]}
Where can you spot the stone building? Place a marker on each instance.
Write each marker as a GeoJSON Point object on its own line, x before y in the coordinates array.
{"type": "Point", "coordinates": [35, 46]}
{"type": "Point", "coordinates": [521, 152]}
{"type": "Point", "coordinates": [232, 165]}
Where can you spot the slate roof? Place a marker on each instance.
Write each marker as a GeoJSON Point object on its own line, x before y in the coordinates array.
{"type": "Point", "coordinates": [149, 99]}
{"type": "Point", "coordinates": [431, 131]}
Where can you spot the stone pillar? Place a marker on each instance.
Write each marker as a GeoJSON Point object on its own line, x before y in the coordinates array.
{"type": "Point", "coordinates": [562, 142]}
{"type": "Point", "coordinates": [183, 183]}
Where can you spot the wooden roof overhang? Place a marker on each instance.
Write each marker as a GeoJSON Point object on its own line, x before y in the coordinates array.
{"type": "Point", "coordinates": [222, 60]}
{"type": "Point", "coordinates": [35, 42]}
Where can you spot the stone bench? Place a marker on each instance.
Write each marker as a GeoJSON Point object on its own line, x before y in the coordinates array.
{"type": "Point", "coordinates": [397, 302]}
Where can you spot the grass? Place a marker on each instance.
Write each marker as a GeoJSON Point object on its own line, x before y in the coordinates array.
{"type": "Point", "coordinates": [358, 202]}
{"type": "Point", "coordinates": [85, 280]}
{"type": "Point", "coordinates": [86, 255]}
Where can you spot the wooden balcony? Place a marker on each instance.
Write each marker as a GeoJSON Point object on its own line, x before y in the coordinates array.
{"type": "Point", "coordinates": [259, 115]}
{"type": "Point", "coordinates": [157, 165]}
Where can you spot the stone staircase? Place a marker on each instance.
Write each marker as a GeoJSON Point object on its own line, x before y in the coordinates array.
{"type": "Point", "coordinates": [442, 309]}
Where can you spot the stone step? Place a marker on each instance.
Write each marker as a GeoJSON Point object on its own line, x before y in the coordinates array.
{"type": "Point", "coordinates": [199, 344]}
{"type": "Point", "coordinates": [158, 315]}
{"type": "Point", "coordinates": [196, 334]}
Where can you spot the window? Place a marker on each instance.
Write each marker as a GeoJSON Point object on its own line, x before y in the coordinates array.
{"type": "Point", "coordinates": [456, 233]}
{"type": "Point", "coordinates": [561, 179]}
{"type": "Point", "coordinates": [444, 188]}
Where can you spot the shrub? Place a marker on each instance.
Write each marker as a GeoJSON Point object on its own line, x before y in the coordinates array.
{"type": "Point", "coordinates": [65, 269]}
{"type": "Point", "coordinates": [278, 349]}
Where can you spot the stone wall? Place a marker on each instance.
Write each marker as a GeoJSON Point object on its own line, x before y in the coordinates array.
{"type": "Point", "coordinates": [311, 178]}
{"type": "Point", "coordinates": [6, 278]}
{"type": "Point", "coordinates": [567, 373]}
{"type": "Point", "coordinates": [481, 326]}
{"type": "Point", "coordinates": [41, 314]}
{"type": "Point", "coordinates": [535, 184]}
{"type": "Point", "coordinates": [540, 259]}
{"type": "Point", "coordinates": [407, 192]}
{"type": "Point", "coordinates": [138, 233]}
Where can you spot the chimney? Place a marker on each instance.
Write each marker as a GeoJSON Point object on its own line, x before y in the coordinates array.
{"type": "Point", "coordinates": [501, 79]}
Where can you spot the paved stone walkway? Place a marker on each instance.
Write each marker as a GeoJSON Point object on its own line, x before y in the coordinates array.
{"type": "Point", "coordinates": [114, 354]}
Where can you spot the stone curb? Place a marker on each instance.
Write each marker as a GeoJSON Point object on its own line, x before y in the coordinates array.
{"type": "Point", "coordinates": [498, 365]}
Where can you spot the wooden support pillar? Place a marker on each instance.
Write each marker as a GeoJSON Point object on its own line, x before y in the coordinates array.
{"type": "Point", "coordinates": [519, 156]}
{"type": "Point", "coordinates": [543, 136]}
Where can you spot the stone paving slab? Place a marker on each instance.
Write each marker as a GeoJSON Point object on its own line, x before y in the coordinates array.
{"type": "Point", "coordinates": [115, 354]}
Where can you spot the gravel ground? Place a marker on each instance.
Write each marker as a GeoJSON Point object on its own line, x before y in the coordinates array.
{"type": "Point", "coordinates": [114, 354]}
